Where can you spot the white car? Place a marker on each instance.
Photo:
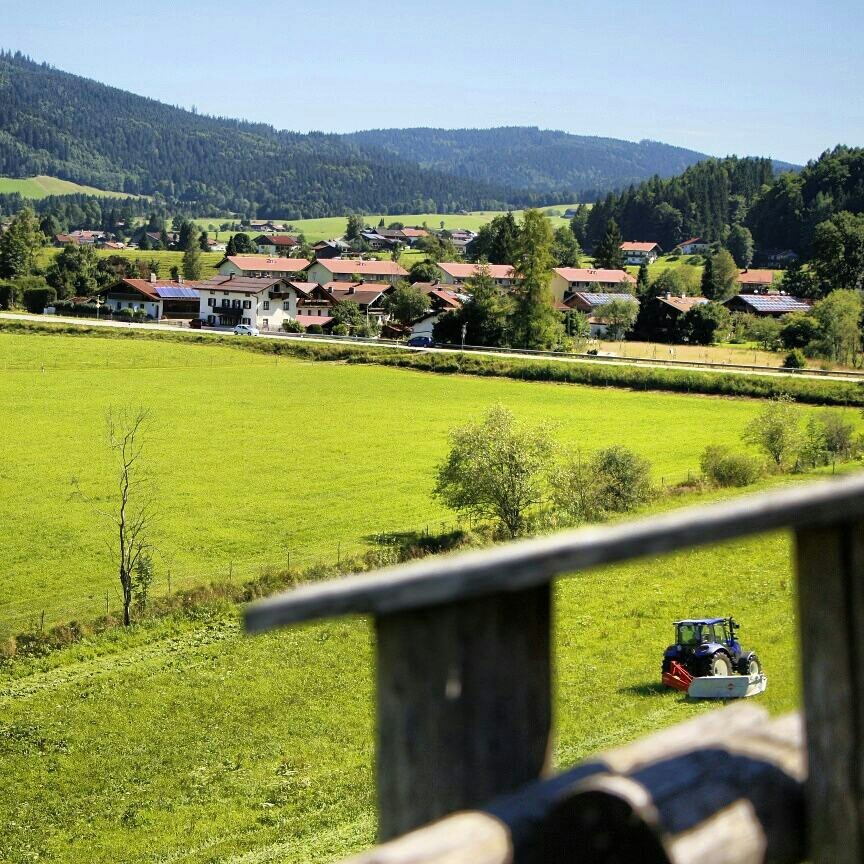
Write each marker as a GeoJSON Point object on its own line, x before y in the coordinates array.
{"type": "Point", "coordinates": [246, 330]}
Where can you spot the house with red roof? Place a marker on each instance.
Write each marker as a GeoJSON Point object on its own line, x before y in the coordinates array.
{"type": "Point", "coordinates": [693, 246]}
{"type": "Point", "coordinates": [344, 269]}
{"type": "Point", "coordinates": [259, 266]}
{"type": "Point", "coordinates": [156, 298]}
{"type": "Point", "coordinates": [568, 280]}
{"type": "Point", "coordinates": [456, 272]}
{"type": "Point", "coordinates": [755, 281]}
{"type": "Point", "coordinates": [635, 253]}
{"type": "Point", "coordinates": [275, 244]}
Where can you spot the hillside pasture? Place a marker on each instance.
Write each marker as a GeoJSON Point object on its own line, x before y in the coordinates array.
{"type": "Point", "coordinates": [43, 186]}
{"type": "Point", "coordinates": [259, 458]}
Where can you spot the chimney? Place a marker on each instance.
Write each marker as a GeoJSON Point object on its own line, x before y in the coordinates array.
{"type": "Point", "coordinates": [179, 280]}
{"type": "Point", "coordinates": [152, 277]}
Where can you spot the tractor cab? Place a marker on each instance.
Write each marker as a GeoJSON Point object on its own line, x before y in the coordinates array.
{"type": "Point", "coordinates": [709, 646]}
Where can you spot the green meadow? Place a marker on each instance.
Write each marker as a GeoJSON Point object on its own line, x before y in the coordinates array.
{"type": "Point", "coordinates": [182, 739]}
{"type": "Point", "coordinates": [166, 258]}
{"type": "Point", "coordinates": [43, 186]}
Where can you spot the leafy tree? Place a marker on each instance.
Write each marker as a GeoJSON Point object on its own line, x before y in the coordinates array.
{"type": "Point", "coordinates": [766, 332]}
{"type": "Point", "coordinates": [497, 469]}
{"type": "Point", "coordinates": [355, 226]}
{"type": "Point", "coordinates": [347, 313]}
{"type": "Point", "coordinates": [496, 241]}
{"type": "Point", "coordinates": [243, 244]}
{"type": "Point", "coordinates": [678, 281]}
{"type": "Point", "coordinates": [536, 321]}
{"type": "Point", "coordinates": [50, 226]}
{"type": "Point", "coordinates": [192, 258]}
{"type": "Point", "coordinates": [830, 436]}
{"type": "Point", "coordinates": [487, 313]}
{"type": "Point", "coordinates": [74, 272]}
{"type": "Point", "coordinates": [775, 430]}
{"type": "Point", "coordinates": [623, 479]}
{"type": "Point", "coordinates": [838, 252]}
{"type": "Point", "coordinates": [739, 243]}
{"type": "Point", "coordinates": [565, 248]}
{"type": "Point", "coordinates": [720, 280]}
{"type": "Point", "coordinates": [144, 242]}
{"type": "Point", "coordinates": [575, 496]}
{"type": "Point", "coordinates": [799, 282]}
{"type": "Point", "coordinates": [579, 225]}
{"type": "Point", "coordinates": [798, 330]}
{"type": "Point", "coordinates": [406, 304]}
{"type": "Point", "coordinates": [620, 316]}
{"type": "Point", "coordinates": [164, 241]}
{"type": "Point", "coordinates": [19, 244]}
{"type": "Point", "coordinates": [706, 323]}
{"type": "Point", "coordinates": [839, 319]}
{"type": "Point", "coordinates": [607, 253]}
{"type": "Point", "coordinates": [577, 326]}
{"type": "Point", "coordinates": [437, 248]}
{"type": "Point", "coordinates": [424, 271]}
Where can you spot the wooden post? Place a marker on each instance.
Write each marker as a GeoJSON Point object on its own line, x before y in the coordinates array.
{"type": "Point", "coordinates": [464, 704]}
{"type": "Point", "coordinates": [831, 609]}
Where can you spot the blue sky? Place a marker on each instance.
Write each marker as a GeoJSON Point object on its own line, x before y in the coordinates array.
{"type": "Point", "coordinates": [760, 77]}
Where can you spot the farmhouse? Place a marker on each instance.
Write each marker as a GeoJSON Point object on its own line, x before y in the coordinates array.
{"type": "Point", "coordinates": [368, 297]}
{"type": "Point", "coordinates": [767, 305]}
{"type": "Point", "coordinates": [263, 302]}
{"type": "Point", "coordinates": [755, 281]}
{"type": "Point", "coordinates": [157, 298]}
{"type": "Point", "coordinates": [442, 299]}
{"type": "Point", "coordinates": [569, 280]}
{"type": "Point", "coordinates": [661, 316]}
{"type": "Point", "coordinates": [258, 266]}
{"type": "Point", "coordinates": [693, 246]}
{"type": "Point", "coordinates": [456, 272]}
{"type": "Point", "coordinates": [81, 238]}
{"type": "Point", "coordinates": [331, 269]}
{"type": "Point", "coordinates": [155, 238]}
{"type": "Point", "coordinates": [636, 253]}
{"type": "Point", "coordinates": [592, 305]}
{"type": "Point", "coordinates": [274, 244]}
{"type": "Point", "coordinates": [330, 249]}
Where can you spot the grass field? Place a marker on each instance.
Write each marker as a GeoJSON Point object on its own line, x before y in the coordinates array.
{"type": "Point", "coordinates": [184, 740]}
{"type": "Point", "coordinates": [236, 489]}
{"type": "Point", "coordinates": [166, 259]}
{"type": "Point", "coordinates": [43, 186]}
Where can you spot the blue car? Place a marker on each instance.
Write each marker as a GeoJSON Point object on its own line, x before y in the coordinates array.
{"type": "Point", "coordinates": [709, 646]}
{"type": "Point", "coordinates": [421, 342]}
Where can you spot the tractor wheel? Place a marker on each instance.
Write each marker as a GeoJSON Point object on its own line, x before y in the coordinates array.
{"type": "Point", "coordinates": [752, 666]}
{"type": "Point", "coordinates": [720, 664]}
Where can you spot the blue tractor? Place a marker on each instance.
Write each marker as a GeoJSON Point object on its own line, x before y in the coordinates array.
{"type": "Point", "coordinates": [707, 647]}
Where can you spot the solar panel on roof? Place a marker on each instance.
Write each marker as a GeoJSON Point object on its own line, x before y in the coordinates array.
{"type": "Point", "coordinates": [776, 303]}
{"type": "Point", "coordinates": [176, 292]}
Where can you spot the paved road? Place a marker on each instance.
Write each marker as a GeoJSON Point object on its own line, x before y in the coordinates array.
{"type": "Point", "coordinates": [337, 340]}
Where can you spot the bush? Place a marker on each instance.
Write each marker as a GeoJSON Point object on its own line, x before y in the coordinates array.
{"type": "Point", "coordinates": [8, 295]}
{"type": "Point", "coordinates": [292, 325]}
{"type": "Point", "coordinates": [317, 328]}
{"type": "Point", "coordinates": [339, 329]}
{"type": "Point", "coordinates": [36, 299]}
{"type": "Point", "coordinates": [126, 314]}
{"type": "Point", "coordinates": [623, 479]}
{"type": "Point", "coordinates": [723, 467]}
{"type": "Point", "coordinates": [795, 359]}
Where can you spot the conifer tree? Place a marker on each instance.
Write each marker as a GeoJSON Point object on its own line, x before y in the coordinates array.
{"type": "Point", "coordinates": [192, 258]}
{"type": "Point", "coordinates": [608, 254]}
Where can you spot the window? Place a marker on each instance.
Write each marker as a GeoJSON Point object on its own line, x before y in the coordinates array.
{"type": "Point", "coordinates": [211, 319]}
{"type": "Point", "coordinates": [247, 304]}
{"type": "Point", "coordinates": [247, 320]}
{"type": "Point", "coordinates": [286, 306]}
{"type": "Point", "coordinates": [226, 304]}
{"type": "Point", "coordinates": [211, 301]}
{"type": "Point", "coordinates": [266, 305]}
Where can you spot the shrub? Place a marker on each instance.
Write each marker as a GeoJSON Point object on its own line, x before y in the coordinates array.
{"type": "Point", "coordinates": [623, 478]}
{"type": "Point", "coordinates": [36, 299]}
{"type": "Point", "coordinates": [795, 359]}
{"type": "Point", "coordinates": [126, 314]}
{"type": "Point", "coordinates": [8, 295]}
{"type": "Point", "coordinates": [317, 328]}
{"type": "Point", "coordinates": [339, 329]}
{"type": "Point", "coordinates": [292, 325]}
{"type": "Point", "coordinates": [723, 467]}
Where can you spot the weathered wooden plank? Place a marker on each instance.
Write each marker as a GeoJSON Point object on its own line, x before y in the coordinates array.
{"type": "Point", "coordinates": [532, 562]}
{"type": "Point", "coordinates": [464, 705]}
{"type": "Point", "coordinates": [831, 609]}
{"type": "Point", "coordinates": [725, 787]}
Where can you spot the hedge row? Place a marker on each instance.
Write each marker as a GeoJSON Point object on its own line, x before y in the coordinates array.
{"type": "Point", "coordinates": [805, 390]}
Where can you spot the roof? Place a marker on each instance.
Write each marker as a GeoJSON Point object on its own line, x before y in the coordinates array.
{"type": "Point", "coordinates": [362, 268]}
{"type": "Point", "coordinates": [602, 298]}
{"type": "Point", "coordinates": [449, 298]}
{"type": "Point", "coordinates": [175, 292]}
{"type": "Point", "coordinates": [755, 277]}
{"type": "Point", "coordinates": [460, 270]}
{"type": "Point", "coordinates": [354, 292]}
{"type": "Point", "coordinates": [304, 287]}
{"type": "Point", "coordinates": [579, 274]}
{"type": "Point", "coordinates": [629, 246]}
{"type": "Point", "coordinates": [683, 304]}
{"type": "Point", "coordinates": [691, 240]}
{"type": "Point", "coordinates": [266, 263]}
{"type": "Point", "coordinates": [415, 232]}
{"type": "Point", "coordinates": [700, 621]}
{"type": "Point", "coordinates": [239, 284]}
{"type": "Point", "coordinates": [306, 320]}
{"type": "Point", "coordinates": [777, 303]}
{"type": "Point", "coordinates": [161, 289]}
{"type": "Point", "coordinates": [276, 240]}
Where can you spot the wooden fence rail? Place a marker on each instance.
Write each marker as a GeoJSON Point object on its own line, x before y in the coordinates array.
{"type": "Point", "coordinates": [464, 683]}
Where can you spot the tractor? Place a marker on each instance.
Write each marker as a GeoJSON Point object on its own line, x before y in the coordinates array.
{"type": "Point", "coordinates": [707, 647]}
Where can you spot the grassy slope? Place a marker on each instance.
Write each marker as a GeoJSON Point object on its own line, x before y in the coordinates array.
{"type": "Point", "coordinates": [256, 457]}
{"type": "Point", "coordinates": [141, 746]}
{"type": "Point", "coordinates": [43, 186]}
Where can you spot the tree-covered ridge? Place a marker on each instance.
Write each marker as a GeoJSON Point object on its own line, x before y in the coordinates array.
{"type": "Point", "coordinates": [55, 123]}
{"type": "Point", "coordinates": [530, 158]}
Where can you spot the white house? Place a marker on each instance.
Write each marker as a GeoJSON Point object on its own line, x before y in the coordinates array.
{"type": "Point", "coordinates": [456, 272]}
{"type": "Point", "coordinates": [156, 298]}
{"type": "Point", "coordinates": [568, 280]}
{"type": "Point", "coordinates": [635, 253]}
{"type": "Point", "coordinates": [274, 244]}
{"type": "Point", "coordinates": [258, 266]}
{"type": "Point", "coordinates": [693, 246]}
{"type": "Point", "coordinates": [263, 302]}
{"type": "Point", "coordinates": [331, 269]}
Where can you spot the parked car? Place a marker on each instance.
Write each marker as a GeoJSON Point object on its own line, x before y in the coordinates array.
{"type": "Point", "coordinates": [421, 342]}
{"type": "Point", "coordinates": [246, 330]}
{"type": "Point", "coordinates": [197, 323]}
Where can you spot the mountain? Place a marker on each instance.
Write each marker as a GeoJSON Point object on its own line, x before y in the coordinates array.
{"type": "Point", "coordinates": [62, 125]}
{"type": "Point", "coordinates": [530, 158]}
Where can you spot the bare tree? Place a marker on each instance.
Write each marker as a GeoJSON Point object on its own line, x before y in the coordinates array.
{"type": "Point", "coordinates": [132, 510]}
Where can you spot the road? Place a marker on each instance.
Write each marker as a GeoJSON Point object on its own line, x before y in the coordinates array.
{"type": "Point", "coordinates": [184, 329]}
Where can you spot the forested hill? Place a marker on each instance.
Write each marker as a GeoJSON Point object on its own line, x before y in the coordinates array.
{"type": "Point", "coordinates": [530, 158]}
{"type": "Point", "coordinates": [55, 123]}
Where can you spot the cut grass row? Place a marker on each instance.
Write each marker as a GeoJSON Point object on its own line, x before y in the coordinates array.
{"type": "Point", "coordinates": [260, 456]}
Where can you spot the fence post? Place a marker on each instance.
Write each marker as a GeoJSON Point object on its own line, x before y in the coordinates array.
{"type": "Point", "coordinates": [464, 704]}
{"type": "Point", "coordinates": [830, 562]}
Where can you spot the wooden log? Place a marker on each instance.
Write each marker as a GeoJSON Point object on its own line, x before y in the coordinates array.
{"type": "Point", "coordinates": [464, 705]}
{"type": "Point", "coordinates": [830, 563]}
{"type": "Point", "coordinates": [725, 787]}
{"type": "Point", "coordinates": [514, 567]}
